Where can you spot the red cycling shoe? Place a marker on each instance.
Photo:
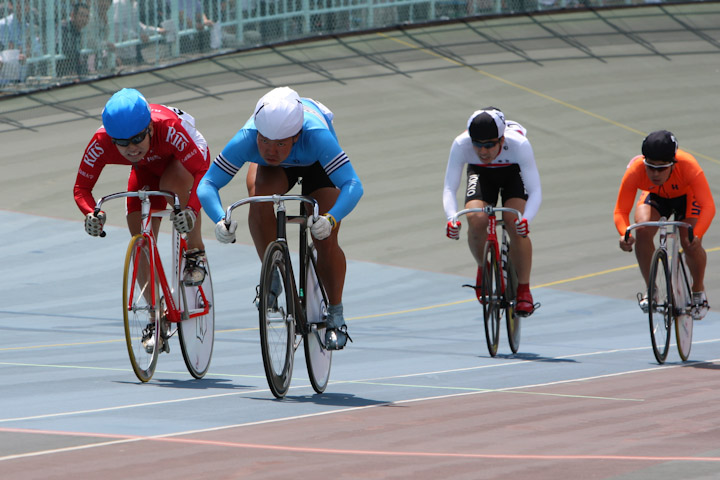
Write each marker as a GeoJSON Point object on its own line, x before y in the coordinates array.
{"type": "Point", "coordinates": [524, 303]}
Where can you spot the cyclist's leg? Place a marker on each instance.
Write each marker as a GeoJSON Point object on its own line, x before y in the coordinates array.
{"type": "Point", "coordinates": [477, 230]}
{"type": "Point", "coordinates": [482, 190]}
{"type": "Point", "coordinates": [331, 262]}
{"type": "Point", "coordinates": [521, 251]}
{"type": "Point", "coordinates": [139, 178]}
{"type": "Point", "coordinates": [178, 180]}
{"type": "Point", "coordinates": [262, 180]}
{"type": "Point", "coordinates": [695, 255]}
{"type": "Point", "coordinates": [331, 268]}
{"type": "Point", "coordinates": [645, 211]}
{"type": "Point", "coordinates": [696, 259]}
{"type": "Point", "coordinates": [521, 256]}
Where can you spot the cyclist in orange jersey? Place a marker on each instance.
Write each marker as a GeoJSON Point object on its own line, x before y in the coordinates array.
{"type": "Point", "coordinates": [671, 182]}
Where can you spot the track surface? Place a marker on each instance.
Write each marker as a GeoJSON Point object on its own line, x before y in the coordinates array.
{"type": "Point", "coordinates": [416, 394]}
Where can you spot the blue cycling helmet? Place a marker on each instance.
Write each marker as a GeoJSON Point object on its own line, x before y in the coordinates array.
{"type": "Point", "coordinates": [126, 114]}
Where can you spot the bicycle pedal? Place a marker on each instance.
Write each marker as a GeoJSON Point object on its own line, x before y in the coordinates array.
{"type": "Point", "coordinates": [527, 314]}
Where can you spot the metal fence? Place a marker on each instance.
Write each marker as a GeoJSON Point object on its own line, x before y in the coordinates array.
{"type": "Point", "coordinates": [45, 43]}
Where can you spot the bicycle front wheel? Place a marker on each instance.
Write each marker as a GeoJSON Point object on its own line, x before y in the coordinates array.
{"type": "Point", "coordinates": [317, 358]}
{"type": "Point", "coordinates": [197, 332]}
{"type": "Point", "coordinates": [682, 301]}
{"type": "Point", "coordinates": [490, 291]}
{"type": "Point", "coordinates": [511, 318]}
{"type": "Point", "coordinates": [141, 314]}
{"type": "Point", "coordinates": [660, 305]}
{"type": "Point", "coordinates": [277, 318]}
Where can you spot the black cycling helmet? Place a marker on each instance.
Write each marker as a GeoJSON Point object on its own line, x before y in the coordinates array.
{"type": "Point", "coordinates": [486, 124]}
{"type": "Point", "coordinates": [660, 145]}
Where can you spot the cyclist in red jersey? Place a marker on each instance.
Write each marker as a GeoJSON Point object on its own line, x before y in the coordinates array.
{"type": "Point", "coordinates": [671, 182]}
{"type": "Point", "coordinates": [165, 152]}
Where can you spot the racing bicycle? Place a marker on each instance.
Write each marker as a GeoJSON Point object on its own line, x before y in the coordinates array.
{"type": "Point", "coordinates": [155, 308]}
{"type": "Point", "coordinates": [291, 311]}
{"type": "Point", "coordinates": [498, 287]}
{"type": "Point", "coordinates": [668, 293]}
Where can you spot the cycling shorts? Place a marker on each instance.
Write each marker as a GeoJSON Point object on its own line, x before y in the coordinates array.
{"type": "Point", "coordinates": [485, 183]}
{"type": "Point", "coordinates": [143, 178]}
{"type": "Point", "coordinates": [678, 206]}
{"type": "Point", "coordinates": [311, 178]}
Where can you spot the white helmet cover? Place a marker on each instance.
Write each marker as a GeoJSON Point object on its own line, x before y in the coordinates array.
{"type": "Point", "coordinates": [279, 114]}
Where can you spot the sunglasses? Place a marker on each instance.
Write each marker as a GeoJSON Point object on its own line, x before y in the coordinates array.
{"type": "Point", "coordinates": [124, 142]}
{"type": "Point", "coordinates": [489, 144]}
{"type": "Point", "coordinates": [657, 167]}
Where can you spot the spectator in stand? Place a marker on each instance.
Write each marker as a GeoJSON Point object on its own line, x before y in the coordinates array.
{"type": "Point", "coordinates": [74, 63]}
{"type": "Point", "coordinates": [192, 15]}
{"type": "Point", "coordinates": [18, 41]}
{"type": "Point", "coordinates": [125, 16]}
{"type": "Point", "coordinates": [97, 36]}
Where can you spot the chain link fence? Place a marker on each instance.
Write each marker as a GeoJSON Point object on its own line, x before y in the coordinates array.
{"type": "Point", "coordinates": [46, 43]}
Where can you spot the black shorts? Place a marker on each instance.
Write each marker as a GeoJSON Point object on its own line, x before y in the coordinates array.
{"type": "Point", "coordinates": [311, 178]}
{"type": "Point", "coordinates": [485, 183]}
{"type": "Point", "coordinates": [669, 206]}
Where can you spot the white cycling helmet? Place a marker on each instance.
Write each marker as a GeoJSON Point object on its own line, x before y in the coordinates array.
{"type": "Point", "coordinates": [279, 114]}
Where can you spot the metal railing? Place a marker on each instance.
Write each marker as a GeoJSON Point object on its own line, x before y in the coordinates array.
{"type": "Point", "coordinates": [44, 43]}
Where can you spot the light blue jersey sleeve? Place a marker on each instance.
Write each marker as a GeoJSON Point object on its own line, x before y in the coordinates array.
{"type": "Point", "coordinates": [239, 150]}
{"type": "Point", "coordinates": [319, 143]}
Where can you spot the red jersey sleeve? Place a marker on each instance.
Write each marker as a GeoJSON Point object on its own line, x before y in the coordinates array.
{"type": "Point", "coordinates": [97, 154]}
{"type": "Point", "coordinates": [183, 141]}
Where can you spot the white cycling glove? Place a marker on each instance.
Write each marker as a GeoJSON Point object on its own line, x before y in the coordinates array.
{"type": "Point", "coordinates": [323, 226]}
{"type": "Point", "coordinates": [183, 221]}
{"type": "Point", "coordinates": [225, 234]}
{"type": "Point", "coordinates": [94, 224]}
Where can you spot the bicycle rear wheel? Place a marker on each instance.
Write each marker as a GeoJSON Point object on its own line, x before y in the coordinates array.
{"type": "Point", "coordinates": [277, 318]}
{"type": "Point", "coordinates": [682, 301]}
{"type": "Point", "coordinates": [660, 305]}
{"type": "Point", "coordinates": [317, 358]}
{"type": "Point", "coordinates": [511, 318]}
{"type": "Point", "coordinates": [490, 298]}
{"type": "Point", "coordinates": [141, 315]}
{"type": "Point", "coordinates": [197, 333]}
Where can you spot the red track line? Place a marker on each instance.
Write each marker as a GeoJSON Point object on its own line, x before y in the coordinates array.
{"type": "Point", "coordinates": [325, 451]}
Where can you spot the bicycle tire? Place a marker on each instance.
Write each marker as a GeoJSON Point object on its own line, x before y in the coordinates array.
{"type": "Point", "coordinates": [277, 319]}
{"type": "Point", "coordinates": [512, 320]}
{"type": "Point", "coordinates": [139, 310]}
{"type": "Point", "coordinates": [197, 334]}
{"type": "Point", "coordinates": [681, 301]}
{"type": "Point", "coordinates": [317, 358]}
{"type": "Point", "coordinates": [660, 305]}
{"type": "Point", "coordinates": [490, 298]}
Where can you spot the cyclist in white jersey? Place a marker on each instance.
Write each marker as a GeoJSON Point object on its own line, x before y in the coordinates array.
{"type": "Point", "coordinates": [297, 135]}
{"type": "Point", "coordinates": [498, 158]}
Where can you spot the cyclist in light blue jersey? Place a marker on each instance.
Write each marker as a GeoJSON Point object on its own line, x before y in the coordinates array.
{"type": "Point", "coordinates": [297, 135]}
